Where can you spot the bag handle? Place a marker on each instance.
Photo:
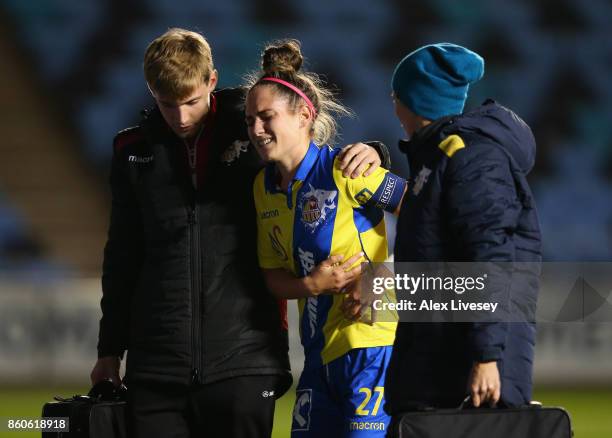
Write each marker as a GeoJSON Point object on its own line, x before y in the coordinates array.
{"type": "Point", "coordinates": [105, 390]}
{"type": "Point", "coordinates": [467, 404]}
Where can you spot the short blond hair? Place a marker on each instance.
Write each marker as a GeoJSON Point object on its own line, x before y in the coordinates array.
{"type": "Point", "coordinates": [177, 62]}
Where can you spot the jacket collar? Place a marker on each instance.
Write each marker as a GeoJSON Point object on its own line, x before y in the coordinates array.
{"type": "Point", "coordinates": [424, 135]}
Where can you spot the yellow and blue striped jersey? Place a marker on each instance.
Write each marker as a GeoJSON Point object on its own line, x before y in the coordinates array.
{"type": "Point", "coordinates": [324, 213]}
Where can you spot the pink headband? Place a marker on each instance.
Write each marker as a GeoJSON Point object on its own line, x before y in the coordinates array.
{"type": "Point", "coordinates": [296, 89]}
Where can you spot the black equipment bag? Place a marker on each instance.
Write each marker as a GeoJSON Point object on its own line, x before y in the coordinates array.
{"type": "Point", "coordinates": [99, 414]}
{"type": "Point", "coordinates": [533, 421]}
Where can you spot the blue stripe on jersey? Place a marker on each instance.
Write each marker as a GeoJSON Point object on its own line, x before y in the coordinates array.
{"type": "Point", "coordinates": [367, 217]}
{"type": "Point", "coordinates": [315, 214]}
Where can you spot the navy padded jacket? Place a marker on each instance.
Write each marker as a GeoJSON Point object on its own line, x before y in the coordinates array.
{"type": "Point", "coordinates": [468, 200]}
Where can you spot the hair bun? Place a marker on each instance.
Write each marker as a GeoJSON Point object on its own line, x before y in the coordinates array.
{"type": "Point", "coordinates": [282, 56]}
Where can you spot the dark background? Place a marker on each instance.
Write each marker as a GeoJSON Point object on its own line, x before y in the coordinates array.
{"type": "Point", "coordinates": [550, 61]}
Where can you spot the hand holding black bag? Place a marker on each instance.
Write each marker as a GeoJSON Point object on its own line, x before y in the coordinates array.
{"type": "Point", "coordinates": [99, 414]}
{"type": "Point", "coordinates": [533, 421]}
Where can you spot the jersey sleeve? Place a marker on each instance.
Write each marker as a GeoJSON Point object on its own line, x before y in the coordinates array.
{"type": "Point", "coordinates": [381, 189]}
{"type": "Point", "coordinates": [266, 254]}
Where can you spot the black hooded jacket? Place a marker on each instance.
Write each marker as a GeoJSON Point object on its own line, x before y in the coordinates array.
{"type": "Point", "coordinates": [468, 200]}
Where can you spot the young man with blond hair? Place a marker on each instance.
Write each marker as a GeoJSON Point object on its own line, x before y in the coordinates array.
{"type": "Point", "coordinates": [182, 291]}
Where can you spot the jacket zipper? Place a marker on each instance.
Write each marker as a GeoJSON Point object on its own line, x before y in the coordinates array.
{"type": "Point", "coordinates": [196, 294]}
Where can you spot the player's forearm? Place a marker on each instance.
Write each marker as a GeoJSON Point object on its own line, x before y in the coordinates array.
{"type": "Point", "coordinates": [283, 284]}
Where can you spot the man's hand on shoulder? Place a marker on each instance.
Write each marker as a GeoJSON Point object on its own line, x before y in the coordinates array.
{"type": "Point", "coordinates": [106, 368]}
{"type": "Point", "coordinates": [356, 158]}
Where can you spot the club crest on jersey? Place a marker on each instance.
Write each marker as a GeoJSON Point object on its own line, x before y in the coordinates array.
{"type": "Point", "coordinates": [316, 205]}
{"type": "Point", "coordinates": [310, 210]}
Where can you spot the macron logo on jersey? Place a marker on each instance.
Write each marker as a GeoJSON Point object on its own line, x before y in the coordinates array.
{"type": "Point", "coordinates": [269, 214]}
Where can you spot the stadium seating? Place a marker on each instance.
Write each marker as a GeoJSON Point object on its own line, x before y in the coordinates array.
{"type": "Point", "coordinates": [550, 67]}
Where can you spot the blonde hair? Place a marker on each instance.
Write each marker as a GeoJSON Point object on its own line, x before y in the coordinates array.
{"type": "Point", "coordinates": [177, 62]}
{"type": "Point", "coordinates": [283, 59]}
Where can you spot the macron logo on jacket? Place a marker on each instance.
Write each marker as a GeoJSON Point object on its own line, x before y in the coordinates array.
{"type": "Point", "coordinates": [137, 159]}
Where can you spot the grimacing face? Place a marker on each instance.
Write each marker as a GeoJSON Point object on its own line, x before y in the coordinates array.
{"type": "Point", "coordinates": [185, 116]}
{"type": "Point", "coordinates": [275, 129]}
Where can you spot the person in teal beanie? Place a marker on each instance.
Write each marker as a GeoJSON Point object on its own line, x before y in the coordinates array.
{"type": "Point", "coordinates": [433, 81]}
{"type": "Point", "coordinates": [468, 200]}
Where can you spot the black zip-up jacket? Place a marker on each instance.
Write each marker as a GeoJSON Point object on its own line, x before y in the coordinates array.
{"type": "Point", "coordinates": [182, 290]}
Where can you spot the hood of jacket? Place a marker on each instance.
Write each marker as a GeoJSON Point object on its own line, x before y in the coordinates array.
{"type": "Point", "coordinates": [490, 120]}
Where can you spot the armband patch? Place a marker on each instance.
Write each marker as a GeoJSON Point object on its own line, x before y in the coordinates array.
{"type": "Point", "coordinates": [363, 196]}
{"type": "Point", "coordinates": [389, 193]}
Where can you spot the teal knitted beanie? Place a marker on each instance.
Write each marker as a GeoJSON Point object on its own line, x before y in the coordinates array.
{"type": "Point", "coordinates": [433, 81]}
